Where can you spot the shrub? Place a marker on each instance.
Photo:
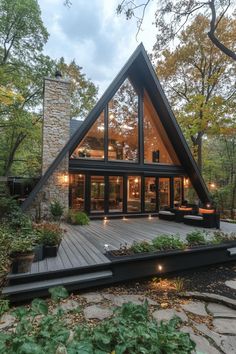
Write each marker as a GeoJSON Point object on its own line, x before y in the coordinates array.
{"type": "Point", "coordinates": [77, 217]}
{"type": "Point", "coordinates": [21, 246]}
{"type": "Point", "coordinates": [143, 246]}
{"type": "Point", "coordinates": [195, 238]}
{"type": "Point", "coordinates": [56, 210]}
{"type": "Point", "coordinates": [168, 242]}
{"type": "Point", "coordinates": [17, 220]}
{"type": "Point", "coordinates": [220, 237]}
{"type": "Point", "coordinates": [50, 234]}
{"type": "Point", "coordinates": [4, 306]}
{"type": "Point", "coordinates": [7, 206]}
{"type": "Point", "coordinates": [6, 238]}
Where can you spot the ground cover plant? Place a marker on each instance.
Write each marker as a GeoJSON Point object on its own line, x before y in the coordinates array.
{"type": "Point", "coordinates": [77, 217]}
{"type": "Point", "coordinates": [130, 330]}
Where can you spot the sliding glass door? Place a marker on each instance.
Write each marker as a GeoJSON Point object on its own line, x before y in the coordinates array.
{"type": "Point", "coordinates": [115, 202]}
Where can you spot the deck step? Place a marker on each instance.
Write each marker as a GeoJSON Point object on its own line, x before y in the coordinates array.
{"type": "Point", "coordinates": [232, 251]}
{"type": "Point", "coordinates": [44, 285]}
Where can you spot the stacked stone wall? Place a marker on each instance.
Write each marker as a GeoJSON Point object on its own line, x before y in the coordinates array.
{"type": "Point", "coordinates": [56, 133]}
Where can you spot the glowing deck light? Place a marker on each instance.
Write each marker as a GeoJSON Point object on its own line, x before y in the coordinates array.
{"type": "Point", "coordinates": [160, 267]}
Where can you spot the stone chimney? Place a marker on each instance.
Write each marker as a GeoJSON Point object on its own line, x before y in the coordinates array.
{"type": "Point", "coordinates": [56, 133]}
{"type": "Point", "coordinates": [56, 119]}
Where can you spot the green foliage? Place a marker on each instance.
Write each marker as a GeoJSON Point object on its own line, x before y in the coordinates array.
{"type": "Point", "coordinates": [21, 246]}
{"type": "Point", "coordinates": [143, 246]}
{"type": "Point", "coordinates": [58, 293]}
{"type": "Point", "coordinates": [19, 220]}
{"type": "Point", "coordinates": [130, 330]}
{"type": "Point", "coordinates": [4, 306]}
{"type": "Point", "coordinates": [77, 217]}
{"type": "Point", "coordinates": [195, 238]}
{"type": "Point", "coordinates": [8, 205]}
{"type": "Point", "coordinates": [167, 242]}
{"type": "Point", "coordinates": [221, 237]}
{"type": "Point", "coordinates": [56, 210]}
{"type": "Point", "coordinates": [6, 238]}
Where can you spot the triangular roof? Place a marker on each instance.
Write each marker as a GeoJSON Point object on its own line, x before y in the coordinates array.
{"type": "Point", "coordinates": [140, 68]}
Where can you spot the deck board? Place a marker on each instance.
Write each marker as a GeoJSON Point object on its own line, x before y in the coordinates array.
{"type": "Point", "coordinates": [83, 246]}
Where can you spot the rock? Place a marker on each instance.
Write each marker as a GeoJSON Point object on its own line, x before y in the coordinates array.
{"type": "Point", "coordinates": [197, 308]}
{"type": "Point", "coordinates": [93, 297]}
{"type": "Point", "coordinates": [202, 344]}
{"type": "Point", "coordinates": [218, 310]}
{"type": "Point", "coordinates": [166, 315]}
{"type": "Point", "coordinates": [225, 325]}
{"type": "Point", "coordinates": [216, 337]}
{"type": "Point", "coordinates": [228, 345]}
{"type": "Point", "coordinates": [231, 284]}
{"type": "Point", "coordinates": [119, 300]}
{"type": "Point", "coordinates": [7, 321]}
{"type": "Point", "coordinates": [67, 306]}
{"type": "Point", "coordinates": [97, 312]}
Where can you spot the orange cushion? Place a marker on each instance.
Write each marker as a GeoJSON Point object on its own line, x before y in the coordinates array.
{"type": "Point", "coordinates": [206, 211]}
{"type": "Point", "coordinates": [185, 209]}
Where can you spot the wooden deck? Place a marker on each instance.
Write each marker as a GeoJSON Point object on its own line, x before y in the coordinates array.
{"type": "Point", "coordinates": [81, 262]}
{"type": "Point", "coordinates": [83, 246]}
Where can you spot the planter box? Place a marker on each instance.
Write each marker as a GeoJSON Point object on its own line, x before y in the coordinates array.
{"type": "Point", "coordinates": [50, 251]}
{"type": "Point", "coordinates": [158, 263]}
{"type": "Point", "coordinates": [38, 253]}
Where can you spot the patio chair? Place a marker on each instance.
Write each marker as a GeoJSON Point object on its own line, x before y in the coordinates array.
{"type": "Point", "coordinates": [166, 215]}
{"type": "Point", "coordinates": [211, 220]}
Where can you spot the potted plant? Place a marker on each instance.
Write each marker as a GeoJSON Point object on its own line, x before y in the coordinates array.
{"type": "Point", "coordinates": [56, 210]}
{"type": "Point", "coordinates": [51, 235]}
{"type": "Point", "coordinates": [22, 254]}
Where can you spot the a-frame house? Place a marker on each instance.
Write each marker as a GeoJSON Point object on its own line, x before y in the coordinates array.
{"type": "Point", "coordinates": [129, 155]}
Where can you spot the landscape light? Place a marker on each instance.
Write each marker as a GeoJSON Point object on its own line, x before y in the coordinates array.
{"type": "Point", "coordinates": [159, 267]}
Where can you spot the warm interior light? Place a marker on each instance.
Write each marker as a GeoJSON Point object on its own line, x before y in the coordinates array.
{"type": "Point", "coordinates": [65, 178]}
{"type": "Point", "coordinates": [136, 180]}
{"type": "Point", "coordinates": [186, 182]}
{"type": "Point", "coordinates": [208, 205]}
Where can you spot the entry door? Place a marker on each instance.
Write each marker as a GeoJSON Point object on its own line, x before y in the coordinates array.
{"type": "Point", "coordinates": [116, 194]}
{"type": "Point", "coordinates": [97, 194]}
{"type": "Point", "coordinates": [164, 193]}
{"type": "Point", "coordinates": [150, 194]}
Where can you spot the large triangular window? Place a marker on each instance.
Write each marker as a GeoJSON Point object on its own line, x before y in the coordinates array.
{"type": "Point", "coordinates": [123, 124]}
{"type": "Point", "coordinates": [157, 146]}
{"type": "Point", "coordinates": [92, 146]}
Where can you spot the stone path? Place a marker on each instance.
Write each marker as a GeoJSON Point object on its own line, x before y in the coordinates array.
{"type": "Point", "coordinates": [220, 337]}
{"type": "Point", "coordinates": [211, 326]}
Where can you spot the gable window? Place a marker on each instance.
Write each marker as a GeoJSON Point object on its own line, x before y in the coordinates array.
{"type": "Point", "coordinates": [123, 124]}
{"type": "Point", "coordinates": [92, 146]}
{"type": "Point", "coordinates": [157, 147]}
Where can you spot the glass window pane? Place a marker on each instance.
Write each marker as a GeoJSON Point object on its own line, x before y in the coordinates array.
{"type": "Point", "coordinates": [164, 193]}
{"type": "Point", "coordinates": [92, 146]}
{"type": "Point", "coordinates": [134, 194]}
{"type": "Point", "coordinates": [177, 191]}
{"type": "Point", "coordinates": [190, 195]}
{"type": "Point", "coordinates": [123, 124]}
{"type": "Point", "coordinates": [77, 190]}
{"type": "Point", "coordinates": [150, 193]}
{"type": "Point", "coordinates": [97, 194]}
{"type": "Point", "coordinates": [115, 194]}
{"type": "Point", "coordinates": [157, 147]}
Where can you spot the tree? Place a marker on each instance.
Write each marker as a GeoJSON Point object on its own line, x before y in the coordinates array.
{"type": "Point", "coordinates": [83, 91]}
{"type": "Point", "coordinates": [200, 81]}
{"type": "Point", "coordinates": [172, 16]}
{"type": "Point", "coordinates": [22, 69]}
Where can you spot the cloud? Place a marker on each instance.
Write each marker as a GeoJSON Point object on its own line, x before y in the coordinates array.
{"type": "Point", "coordinates": [91, 33]}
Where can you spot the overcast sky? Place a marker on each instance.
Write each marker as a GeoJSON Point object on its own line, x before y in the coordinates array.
{"type": "Point", "coordinates": [91, 33]}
